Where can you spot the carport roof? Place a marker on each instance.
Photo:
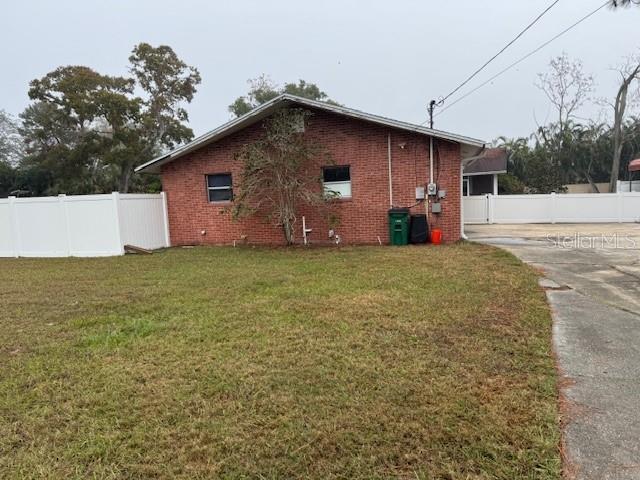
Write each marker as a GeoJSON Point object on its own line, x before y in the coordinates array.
{"type": "Point", "coordinates": [634, 165]}
{"type": "Point", "coordinates": [469, 146]}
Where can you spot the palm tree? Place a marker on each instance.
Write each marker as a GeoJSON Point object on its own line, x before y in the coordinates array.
{"type": "Point", "coordinates": [517, 151]}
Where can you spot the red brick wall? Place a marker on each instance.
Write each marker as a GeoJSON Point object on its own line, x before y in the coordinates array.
{"type": "Point", "coordinates": [363, 218]}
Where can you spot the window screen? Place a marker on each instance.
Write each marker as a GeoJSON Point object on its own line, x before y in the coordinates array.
{"type": "Point", "coordinates": [337, 181]}
{"type": "Point", "coordinates": [336, 174]}
{"type": "Point", "coordinates": [219, 187]}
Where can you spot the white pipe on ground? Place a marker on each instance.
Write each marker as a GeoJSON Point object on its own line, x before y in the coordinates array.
{"type": "Point", "coordinates": [305, 231]}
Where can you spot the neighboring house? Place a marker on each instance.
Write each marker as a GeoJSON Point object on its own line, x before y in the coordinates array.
{"type": "Point", "coordinates": [481, 172]}
{"type": "Point", "coordinates": [377, 163]}
{"type": "Point", "coordinates": [631, 185]}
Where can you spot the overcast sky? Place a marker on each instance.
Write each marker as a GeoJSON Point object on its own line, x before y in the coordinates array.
{"type": "Point", "coordinates": [384, 57]}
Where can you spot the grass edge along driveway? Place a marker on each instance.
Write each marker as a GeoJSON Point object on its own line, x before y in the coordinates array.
{"type": "Point", "coordinates": [368, 362]}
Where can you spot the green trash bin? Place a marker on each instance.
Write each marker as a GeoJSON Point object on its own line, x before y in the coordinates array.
{"type": "Point", "coordinates": [399, 226]}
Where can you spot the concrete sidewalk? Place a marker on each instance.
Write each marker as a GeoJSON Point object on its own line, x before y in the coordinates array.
{"type": "Point", "coordinates": [596, 313]}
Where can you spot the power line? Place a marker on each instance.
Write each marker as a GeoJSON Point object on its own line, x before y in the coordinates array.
{"type": "Point", "coordinates": [500, 52]}
{"type": "Point", "coordinates": [523, 58]}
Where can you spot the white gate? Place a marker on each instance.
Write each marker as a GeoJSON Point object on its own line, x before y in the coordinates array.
{"type": "Point", "coordinates": [475, 209]}
{"type": "Point", "coordinates": [552, 208]}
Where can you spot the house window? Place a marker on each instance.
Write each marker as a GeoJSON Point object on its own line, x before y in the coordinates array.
{"type": "Point", "coordinates": [219, 187]}
{"type": "Point", "coordinates": [337, 181]}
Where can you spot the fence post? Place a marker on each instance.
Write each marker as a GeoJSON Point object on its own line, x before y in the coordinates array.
{"type": "Point", "coordinates": [620, 204]}
{"type": "Point", "coordinates": [13, 221]}
{"type": "Point", "coordinates": [116, 216]}
{"type": "Point", "coordinates": [487, 208]}
{"type": "Point", "coordinates": [62, 203]}
{"type": "Point", "coordinates": [490, 207]}
{"type": "Point", "coordinates": [165, 212]}
{"type": "Point", "coordinates": [553, 207]}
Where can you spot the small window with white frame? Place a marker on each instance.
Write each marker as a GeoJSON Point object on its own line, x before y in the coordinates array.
{"type": "Point", "coordinates": [219, 187]}
{"type": "Point", "coordinates": [336, 181]}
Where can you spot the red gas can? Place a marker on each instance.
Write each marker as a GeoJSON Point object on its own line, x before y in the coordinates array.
{"type": "Point", "coordinates": [436, 236]}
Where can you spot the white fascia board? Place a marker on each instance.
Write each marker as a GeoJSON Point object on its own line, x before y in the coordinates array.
{"type": "Point", "coordinates": [497, 172]}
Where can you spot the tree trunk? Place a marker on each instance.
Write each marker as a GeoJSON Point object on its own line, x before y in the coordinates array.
{"type": "Point", "coordinates": [619, 110]}
{"type": "Point", "coordinates": [287, 228]}
{"type": "Point", "coordinates": [620, 107]}
{"type": "Point", "coordinates": [615, 165]}
{"type": "Point", "coordinates": [125, 179]}
{"type": "Point", "coordinates": [594, 187]}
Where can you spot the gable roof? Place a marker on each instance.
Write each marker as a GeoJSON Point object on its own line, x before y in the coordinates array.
{"type": "Point", "coordinates": [469, 145]}
{"type": "Point", "coordinates": [491, 160]}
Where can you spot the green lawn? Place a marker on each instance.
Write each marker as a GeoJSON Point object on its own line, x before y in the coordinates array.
{"type": "Point", "coordinates": [420, 363]}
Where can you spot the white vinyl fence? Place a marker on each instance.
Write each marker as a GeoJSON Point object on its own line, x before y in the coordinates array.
{"type": "Point", "coordinates": [82, 225]}
{"type": "Point", "coordinates": [624, 186]}
{"type": "Point", "coordinates": [552, 208]}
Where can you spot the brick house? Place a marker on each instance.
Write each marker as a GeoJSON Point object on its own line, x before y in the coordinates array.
{"type": "Point", "coordinates": [377, 163]}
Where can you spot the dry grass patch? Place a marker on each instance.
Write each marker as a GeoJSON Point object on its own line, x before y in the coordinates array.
{"type": "Point", "coordinates": [253, 363]}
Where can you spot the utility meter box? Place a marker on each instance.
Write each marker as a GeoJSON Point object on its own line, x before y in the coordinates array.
{"type": "Point", "coordinates": [436, 208]}
{"type": "Point", "coordinates": [432, 189]}
{"type": "Point", "coordinates": [419, 193]}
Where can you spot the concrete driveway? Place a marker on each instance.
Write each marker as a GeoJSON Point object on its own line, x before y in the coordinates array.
{"type": "Point", "coordinates": [593, 285]}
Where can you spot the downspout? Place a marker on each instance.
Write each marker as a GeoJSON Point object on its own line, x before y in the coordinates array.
{"type": "Point", "coordinates": [430, 159]}
{"type": "Point", "coordinates": [389, 161]}
{"type": "Point", "coordinates": [427, 198]}
{"type": "Point", "coordinates": [462, 234]}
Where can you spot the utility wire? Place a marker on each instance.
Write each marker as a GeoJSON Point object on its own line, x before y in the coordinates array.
{"type": "Point", "coordinates": [500, 52]}
{"type": "Point", "coordinates": [523, 58]}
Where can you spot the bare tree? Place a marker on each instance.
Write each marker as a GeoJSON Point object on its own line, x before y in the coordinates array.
{"type": "Point", "coordinates": [566, 86]}
{"type": "Point", "coordinates": [281, 172]}
{"type": "Point", "coordinates": [629, 73]}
